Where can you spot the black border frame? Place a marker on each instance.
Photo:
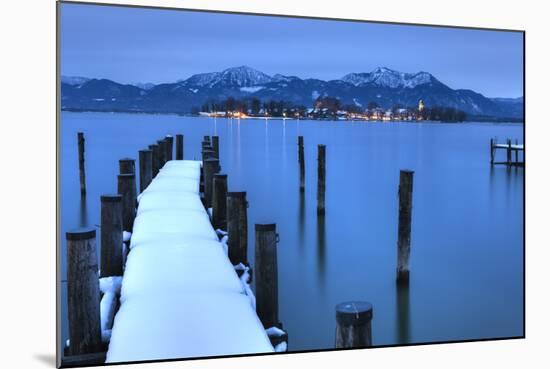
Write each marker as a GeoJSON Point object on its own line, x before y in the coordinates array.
{"type": "Point", "coordinates": [59, 346]}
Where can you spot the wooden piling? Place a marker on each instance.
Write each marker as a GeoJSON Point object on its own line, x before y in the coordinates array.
{"type": "Point", "coordinates": [179, 147]}
{"type": "Point", "coordinates": [210, 167]}
{"type": "Point", "coordinates": [208, 153]}
{"type": "Point", "coordinates": [353, 324]}
{"type": "Point", "coordinates": [162, 153]}
{"type": "Point", "coordinates": [216, 146]}
{"type": "Point", "coordinates": [301, 161]}
{"type": "Point", "coordinates": [517, 152]}
{"type": "Point", "coordinates": [404, 228]}
{"type": "Point", "coordinates": [127, 189]}
{"type": "Point", "coordinates": [145, 169]}
{"type": "Point", "coordinates": [265, 275]}
{"type": "Point", "coordinates": [155, 159]}
{"type": "Point", "coordinates": [127, 166]}
{"type": "Point", "coordinates": [219, 201]}
{"type": "Point", "coordinates": [169, 147]}
{"type": "Point", "coordinates": [111, 235]}
{"type": "Point", "coordinates": [509, 152]}
{"type": "Point", "coordinates": [321, 178]}
{"type": "Point", "coordinates": [83, 292]}
{"type": "Point", "coordinates": [492, 151]}
{"type": "Point", "coordinates": [207, 139]}
{"type": "Point", "coordinates": [81, 167]}
{"type": "Point", "coordinates": [237, 227]}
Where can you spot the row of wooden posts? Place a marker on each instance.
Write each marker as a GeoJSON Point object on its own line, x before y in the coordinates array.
{"type": "Point", "coordinates": [405, 205]}
{"type": "Point", "coordinates": [229, 212]}
{"type": "Point", "coordinates": [117, 215]}
{"type": "Point", "coordinates": [354, 318]}
{"type": "Point", "coordinates": [321, 173]}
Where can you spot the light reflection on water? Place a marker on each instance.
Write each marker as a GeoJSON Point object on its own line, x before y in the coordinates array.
{"type": "Point", "coordinates": [467, 237]}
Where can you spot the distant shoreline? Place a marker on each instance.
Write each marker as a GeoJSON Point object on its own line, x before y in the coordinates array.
{"type": "Point", "coordinates": [480, 119]}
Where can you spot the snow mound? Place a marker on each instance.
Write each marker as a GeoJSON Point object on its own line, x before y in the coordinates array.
{"type": "Point", "coordinates": [183, 326]}
{"type": "Point", "coordinates": [189, 267]}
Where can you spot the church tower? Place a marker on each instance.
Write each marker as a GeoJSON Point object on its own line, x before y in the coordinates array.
{"type": "Point", "coordinates": [420, 105]}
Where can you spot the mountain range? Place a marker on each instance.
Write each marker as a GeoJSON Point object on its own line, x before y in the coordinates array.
{"type": "Point", "coordinates": [384, 86]}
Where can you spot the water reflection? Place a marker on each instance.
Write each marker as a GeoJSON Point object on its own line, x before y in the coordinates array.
{"type": "Point", "coordinates": [321, 249]}
{"type": "Point", "coordinates": [403, 315]}
{"type": "Point", "coordinates": [266, 145]}
{"type": "Point", "coordinates": [301, 222]}
{"type": "Point", "coordinates": [302, 218]}
{"type": "Point", "coordinates": [482, 204]}
{"type": "Point", "coordinates": [284, 156]}
{"type": "Point", "coordinates": [238, 144]}
{"type": "Point", "coordinates": [507, 175]}
{"type": "Point", "coordinates": [83, 215]}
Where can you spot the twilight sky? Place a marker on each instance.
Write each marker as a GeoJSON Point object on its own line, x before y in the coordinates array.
{"type": "Point", "coordinates": [131, 45]}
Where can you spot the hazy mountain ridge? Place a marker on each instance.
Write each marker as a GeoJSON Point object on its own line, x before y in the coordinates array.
{"type": "Point", "coordinates": [383, 86]}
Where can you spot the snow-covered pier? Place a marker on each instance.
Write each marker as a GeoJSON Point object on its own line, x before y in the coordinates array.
{"type": "Point", "coordinates": [179, 296]}
{"type": "Point", "coordinates": [510, 148]}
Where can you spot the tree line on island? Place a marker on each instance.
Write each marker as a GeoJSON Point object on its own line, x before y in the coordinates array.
{"type": "Point", "coordinates": [327, 108]}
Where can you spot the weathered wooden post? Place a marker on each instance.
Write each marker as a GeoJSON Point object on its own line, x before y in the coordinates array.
{"type": "Point", "coordinates": [205, 146]}
{"type": "Point", "coordinates": [265, 275]}
{"type": "Point", "coordinates": [127, 166]}
{"type": "Point", "coordinates": [127, 189]}
{"type": "Point", "coordinates": [517, 152]}
{"type": "Point", "coordinates": [111, 235]}
{"type": "Point", "coordinates": [321, 177]}
{"type": "Point", "coordinates": [83, 292]}
{"type": "Point", "coordinates": [208, 153]}
{"type": "Point", "coordinates": [301, 162]}
{"type": "Point", "coordinates": [509, 152]}
{"type": "Point", "coordinates": [353, 324]}
{"type": "Point", "coordinates": [145, 169]}
{"type": "Point", "coordinates": [155, 150]}
{"type": "Point", "coordinates": [81, 168]}
{"type": "Point", "coordinates": [216, 146]}
{"type": "Point", "coordinates": [210, 167]}
{"type": "Point", "coordinates": [237, 227]}
{"type": "Point", "coordinates": [169, 147]}
{"type": "Point", "coordinates": [404, 227]}
{"type": "Point", "coordinates": [179, 147]}
{"type": "Point", "coordinates": [492, 151]}
{"type": "Point", "coordinates": [219, 202]}
{"type": "Point", "coordinates": [162, 153]}
{"type": "Point", "coordinates": [207, 139]}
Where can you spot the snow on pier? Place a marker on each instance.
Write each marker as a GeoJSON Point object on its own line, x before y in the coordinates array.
{"type": "Point", "coordinates": [180, 295]}
{"type": "Point", "coordinates": [511, 146]}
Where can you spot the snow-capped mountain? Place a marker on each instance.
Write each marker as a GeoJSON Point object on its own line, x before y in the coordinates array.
{"type": "Point", "coordinates": [385, 77]}
{"type": "Point", "coordinates": [73, 80]}
{"type": "Point", "coordinates": [242, 76]}
{"type": "Point", "coordinates": [383, 86]}
{"type": "Point", "coordinates": [201, 79]}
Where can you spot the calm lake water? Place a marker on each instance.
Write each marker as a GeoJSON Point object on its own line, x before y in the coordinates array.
{"type": "Point", "coordinates": [467, 228]}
